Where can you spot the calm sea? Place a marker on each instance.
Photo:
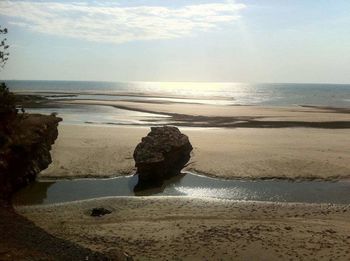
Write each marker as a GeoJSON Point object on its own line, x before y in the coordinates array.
{"type": "Point", "coordinates": [277, 94]}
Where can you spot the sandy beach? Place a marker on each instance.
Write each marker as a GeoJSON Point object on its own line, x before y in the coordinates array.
{"type": "Point", "coordinates": [273, 142]}
{"type": "Point", "coordinates": [293, 153]}
{"type": "Point", "coordinates": [301, 142]}
{"type": "Point", "coordinates": [182, 228]}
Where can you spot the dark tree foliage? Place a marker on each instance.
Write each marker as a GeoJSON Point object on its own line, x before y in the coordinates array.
{"type": "Point", "coordinates": [7, 102]}
{"type": "Point", "coordinates": [8, 109]}
{"type": "Point", "coordinates": [7, 99]}
{"type": "Point", "coordinates": [4, 54]}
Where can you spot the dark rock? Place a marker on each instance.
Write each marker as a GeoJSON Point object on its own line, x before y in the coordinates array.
{"type": "Point", "coordinates": [161, 154]}
{"type": "Point", "coordinates": [25, 150]}
{"type": "Point", "coordinates": [99, 212]}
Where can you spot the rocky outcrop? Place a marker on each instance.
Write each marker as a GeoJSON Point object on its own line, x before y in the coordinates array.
{"type": "Point", "coordinates": [25, 150]}
{"type": "Point", "coordinates": [161, 154]}
{"type": "Point", "coordinates": [25, 143]}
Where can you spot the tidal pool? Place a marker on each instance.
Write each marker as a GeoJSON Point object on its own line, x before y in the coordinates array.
{"type": "Point", "coordinates": [187, 184]}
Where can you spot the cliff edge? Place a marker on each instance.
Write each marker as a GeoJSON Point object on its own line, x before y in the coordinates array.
{"type": "Point", "coordinates": [25, 146]}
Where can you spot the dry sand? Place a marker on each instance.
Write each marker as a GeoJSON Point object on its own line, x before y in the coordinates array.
{"type": "Point", "coordinates": [182, 228]}
{"type": "Point", "coordinates": [295, 153]}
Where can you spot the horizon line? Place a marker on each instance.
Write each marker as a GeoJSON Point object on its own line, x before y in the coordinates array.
{"type": "Point", "coordinates": [140, 81]}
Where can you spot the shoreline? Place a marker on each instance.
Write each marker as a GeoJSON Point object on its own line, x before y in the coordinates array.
{"type": "Point", "coordinates": [185, 198]}
{"type": "Point", "coordinates": [289, 179]}
{"type": "Point", "coordinates": [209, 115]}
{"type": "Point", "coordinates": [234, 116]}
{"type": "Point", "coordinates": [58, 94]}
{"type": "Point", "coordinates": [195, 172]}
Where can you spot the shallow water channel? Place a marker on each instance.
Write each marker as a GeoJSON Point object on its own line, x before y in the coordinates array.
{"type": "Point", "coordinates": [187, 184]}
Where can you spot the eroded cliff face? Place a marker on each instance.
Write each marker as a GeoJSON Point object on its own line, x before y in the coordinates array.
{"type": "Point", "coordinates": [25, 150]}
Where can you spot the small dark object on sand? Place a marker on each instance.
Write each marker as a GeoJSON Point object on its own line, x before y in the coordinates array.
{"type": "Point", "coordinates": [99, 212]}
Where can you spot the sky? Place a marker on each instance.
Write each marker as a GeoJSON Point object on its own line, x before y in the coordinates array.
{"type": "Point", "coordinates": [167, 40]}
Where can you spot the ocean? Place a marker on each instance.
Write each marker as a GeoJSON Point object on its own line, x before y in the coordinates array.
{"type": "Point", "coordinates": [268, 94]}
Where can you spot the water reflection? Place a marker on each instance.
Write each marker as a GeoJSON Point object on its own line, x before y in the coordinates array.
{"type": "Point", "coordinates": [187, 184]}
{"type": "Point", "coordinates": [34, 193]}
{"type": "Point", "coordinates": [149, 190]}
{"type": "Point", "coordinates": [234, 192]}
{"type": "Point", "coordinates": [99, 114]}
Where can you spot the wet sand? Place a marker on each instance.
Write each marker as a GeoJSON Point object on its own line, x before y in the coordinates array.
{"type": "Point", "coordinates": [199, 115]}
{"type": "Point", "coordinates": [182, 228]}
{"type": "Point", "coordinates": [292, 153]}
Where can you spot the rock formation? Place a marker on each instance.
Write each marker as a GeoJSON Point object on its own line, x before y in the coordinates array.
{"type": "Point", "coordinates": [25, 143]}
{"type": "Point", "coordinates": [25, 150]}
{"type": "Point", "coordinates": [160, 155]}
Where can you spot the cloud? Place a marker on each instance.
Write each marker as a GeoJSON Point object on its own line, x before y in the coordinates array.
{"type": "Point", "coordinates": [114, 23]}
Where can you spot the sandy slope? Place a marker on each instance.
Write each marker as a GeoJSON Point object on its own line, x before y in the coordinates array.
{"type": "Point", "coordinates": [21, 240]}
{"type": "Point", "coordinates": [98, 151]}
{"type": "Point", "coordinates": [181, 228]}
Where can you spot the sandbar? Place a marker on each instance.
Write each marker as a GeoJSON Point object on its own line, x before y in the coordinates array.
{"type": "Point", "coordinates": [291, 153]}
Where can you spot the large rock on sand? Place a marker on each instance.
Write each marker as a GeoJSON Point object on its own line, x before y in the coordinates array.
{"type": "Point", "coordinates": [160, 155]}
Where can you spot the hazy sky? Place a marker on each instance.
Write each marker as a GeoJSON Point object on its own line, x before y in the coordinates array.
{"type": "Point", "coordinates": [178, 40]}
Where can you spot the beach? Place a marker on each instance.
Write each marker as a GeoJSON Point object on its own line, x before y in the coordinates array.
{"type": "Point", "coordinates": [294, 143]}
{"type": "Point", "coordinates": [292, 153]}
{"type": "Point", "coordinates": [300, 142]}
{"type": "Point", "coordinates": [184, 228]}
{"type": "Point", "coordinates": [174, 130]}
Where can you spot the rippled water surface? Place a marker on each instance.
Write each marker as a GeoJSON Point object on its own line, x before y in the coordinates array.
{"type": "Point", "coordinates": [187, 184]}
{"type": "Point", "coordinates": [279, 94]}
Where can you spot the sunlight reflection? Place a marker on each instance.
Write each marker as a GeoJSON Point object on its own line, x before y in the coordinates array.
{"type": "Point", "coordinates": [232, 193]}
{"type": "Point", "coordinates": [191, 88]}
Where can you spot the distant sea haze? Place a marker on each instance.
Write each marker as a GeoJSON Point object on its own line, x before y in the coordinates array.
{"type": "Point", "coordinates": [276, 94]}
